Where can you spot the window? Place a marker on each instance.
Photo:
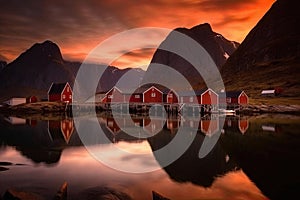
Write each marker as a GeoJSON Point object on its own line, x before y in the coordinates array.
{"type": "Point", "coordinates": [111, 96]}
{"type": "Point", "coordinates": [68, 89]}
{"type": "Point", "coordinates": [171, 95]}
{"type": "Point", "coordinates": [64, 96]}
{"type": "Point", "coordinates": [70, 96]}
{"type": "Point", "coordinates": [228, 100]}
{"type": "Point", "coordinates": [153, 94]}
{"type": "Point", "coordinates": [137, 96]}
{"type": "Point", "coordinates": [191, 99]}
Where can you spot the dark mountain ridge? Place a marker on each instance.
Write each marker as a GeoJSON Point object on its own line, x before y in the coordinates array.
{"type": "Point", "coordinates": [270, 54]}
{"type": "Point", "coordinates": [33, 72]}
{"type": "Point", "coordinates": [218, 47]}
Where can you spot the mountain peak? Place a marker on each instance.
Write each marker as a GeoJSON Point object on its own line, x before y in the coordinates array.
{"type": "Point", "coordinates": [202, 27]}
{"type": "Point", "coordinates": [41, 53]}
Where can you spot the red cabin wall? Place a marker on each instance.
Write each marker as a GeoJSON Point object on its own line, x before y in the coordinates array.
{"type": "Point", "coordinates": [134, 98]}
{"type": "Point", "coordinates": [114, 96]}
{"type": "Point", "coordinates": [231, 100]}
{"type": "Point", "coordinates": [186, 99]}
{"type": "Point", "coordinates": [172, 97]}
{"type": "Point", "coordinates": [31, 99]}
{"type": "Point", "coordinates": [243, 99]}
{"type": "Point", "coordinates": [209, 98]}
{"type": "Point", "coordinates": [157, 98]}
{"type": "Point", "coordinates": [54, 97]}
{"type": "Point", "coordinates": [67, 94]}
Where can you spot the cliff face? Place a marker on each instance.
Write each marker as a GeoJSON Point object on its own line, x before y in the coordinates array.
{"type": "Point", "coordinates": [269, 55]}
{"type": "Point", "coordinates": [218, 47]}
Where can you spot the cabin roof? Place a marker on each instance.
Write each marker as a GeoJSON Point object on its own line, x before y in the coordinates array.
{"type": "Point", "coordinates": [233, 94]}
{"type": "Point", "coordinates": [187, 93]}
{"type": "Point", "coordinates": [146, 87]}
{"type": "Point", "coordinates": [57, 88]}
{"type": "Point", "coordinates": [268, 92]}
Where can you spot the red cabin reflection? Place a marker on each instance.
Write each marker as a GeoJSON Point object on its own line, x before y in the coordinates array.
{"type": "Point", "coordinates": [61, 129]}
{"type": "Point", "coordinates": [243, 125]}
{"type": "Point", "coordinates": [112, 125]}
{"type": "Point", "coordinates": [209, 126]}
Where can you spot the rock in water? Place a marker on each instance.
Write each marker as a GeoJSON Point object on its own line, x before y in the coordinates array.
{"type": "Point", "coordinates": [16, 194]}
{"type": "Point", "coordinates": [62, 192]}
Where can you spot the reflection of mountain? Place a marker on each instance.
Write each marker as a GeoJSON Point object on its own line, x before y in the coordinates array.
{"type": "Point", "coordinates": [35, 141]}
{"type": "Point", "coordinates": [189, 167]}
{"type": "Point", "coordinates": [269, 159]}
{"type": "Point", "coordinates": [47, 156]}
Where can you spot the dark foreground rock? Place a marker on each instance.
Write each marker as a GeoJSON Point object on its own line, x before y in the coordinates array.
{"type": "Point", "coordinates": [17, 194]}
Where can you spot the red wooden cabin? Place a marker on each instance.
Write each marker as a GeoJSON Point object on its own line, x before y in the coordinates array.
{"type": "Point", "coordinates": [31, 99]}
{"type": "Point", "coordinates": [189, 97]}
{"type": "Point", "coordinates": [60, 92]}
{"type": "Point", "coordinates": [172, 97]}
{"type": "Point", "coordinates": [234, 98]}
{"type": "Point", "coordinates": [133, 97]}
{"type": "Point", "coordinates": [114, 95]}
{"type": "Point", "coordinates": [204, 97]}
{"type": "Point", "coordinates": [209, 97]}
{"type": "Point", "coordinates": [152, 95]}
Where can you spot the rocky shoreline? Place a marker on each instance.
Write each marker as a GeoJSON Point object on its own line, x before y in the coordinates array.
{"type": "Point", "coordinates": [263, 108]}
{"type": "Point", "coordinates": [58, 108]}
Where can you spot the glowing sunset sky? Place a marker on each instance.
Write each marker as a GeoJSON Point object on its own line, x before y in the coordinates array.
{"type": "Point", "coordinates": [78, 26]}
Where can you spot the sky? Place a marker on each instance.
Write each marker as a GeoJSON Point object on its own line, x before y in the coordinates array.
{"type": "Point", "coordinates": [79, 26]}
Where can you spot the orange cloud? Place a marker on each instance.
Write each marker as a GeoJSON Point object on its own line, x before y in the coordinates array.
{"type": "Point", "coordinates": [79, 26]}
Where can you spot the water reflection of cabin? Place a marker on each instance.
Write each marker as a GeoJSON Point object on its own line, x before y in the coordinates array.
{"type": "Point", "coordinates": [241, 123]}
{"type": "Point", "coordinates": [112, 125]}
{"type": "Point", "coordinates": [116, 125]}
{"type": "Point", "coordinates": [62, 129]}
{"type": "Point", "coordinates": [209, 126]}
{"type": "Point", "coordinates": [173, 124]}
{"type": "Point", "coordinates": [153, 125]}
{"type": "Point", "coordinates": [15, 120]}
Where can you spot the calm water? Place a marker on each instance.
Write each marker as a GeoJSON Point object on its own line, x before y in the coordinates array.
{"type": "Point", "coordinates": [253, 158]}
